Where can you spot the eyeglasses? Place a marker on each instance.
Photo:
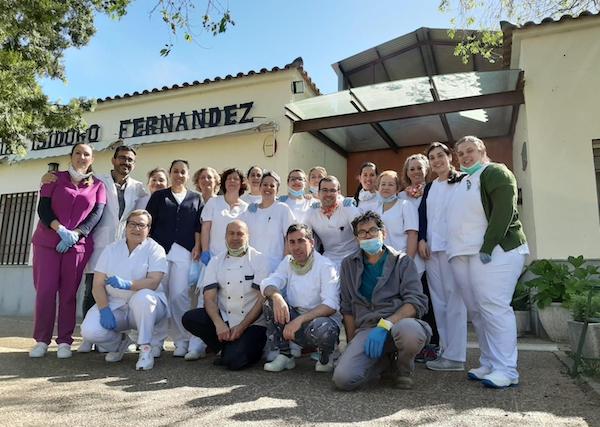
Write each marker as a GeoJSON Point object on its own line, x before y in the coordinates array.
{"type": "Point", "coordinates": [297, 178]}
{"type": "Point", "coordinates": [329, 190]}
{"type": "Point", "coordinates": [370, 232]}
{"type": "Point", "coordinates": [126, 159]}
{"type": "Point", "coordinates": [137, 225]}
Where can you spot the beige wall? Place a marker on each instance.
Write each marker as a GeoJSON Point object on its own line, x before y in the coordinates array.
{"type": "Point", "coordinates": [558, 122]}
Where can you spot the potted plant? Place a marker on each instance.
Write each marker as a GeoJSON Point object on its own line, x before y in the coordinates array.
{"type": "Point", "coordinates": [521, 305]}
{"type": "Point", "coordinates": [579, 310]}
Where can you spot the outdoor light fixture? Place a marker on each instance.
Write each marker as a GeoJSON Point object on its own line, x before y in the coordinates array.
{"type": "Point", "coordinates": [52, 167]}
{"type": "Point", "coordinates": [298, 86]}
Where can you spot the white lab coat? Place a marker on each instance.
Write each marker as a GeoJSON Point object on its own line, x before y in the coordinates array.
{"type": "Point", "coordinates": [111, 227]}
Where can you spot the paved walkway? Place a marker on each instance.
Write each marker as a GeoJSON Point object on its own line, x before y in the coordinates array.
{"type": "Point", "coordinates": [85, 389]}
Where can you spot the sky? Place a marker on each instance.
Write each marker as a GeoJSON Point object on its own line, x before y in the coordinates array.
{"type": "Point", "coordinates": [124, 56]}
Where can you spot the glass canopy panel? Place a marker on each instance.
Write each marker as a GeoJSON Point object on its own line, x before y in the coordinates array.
{"type": "Point", "coordinates": [394, 94]}
{"type": "Point", "coordinates": [417, 131]}
{"type": "Point", "coordinates": [356, 138]}
{"type": "Point", "coordinates": [462, 85]}
{"type": "Point", "coordinates": [323, 106]}
{"type": "Point", "coordinates": [481, 123]}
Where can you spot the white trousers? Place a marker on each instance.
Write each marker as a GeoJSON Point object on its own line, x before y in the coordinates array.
{"type": "Point", "coordinates": [487, 291]}
{"type": "Point", "coordinates": [180, 261]}
{"type": "Point", "coordinates": [143, 310]}
{"type": "Point", "coordinates": [448, 307]}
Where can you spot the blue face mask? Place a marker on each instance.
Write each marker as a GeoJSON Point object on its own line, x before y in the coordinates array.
{"type": "Point", "coordinates": [371, 246]}
{"type": "Point", "coordinates": [296, 193]}
{"type": "Point", "coordinates": [382, 199]}
{"type": "Point", "coordinates": [472, 169]}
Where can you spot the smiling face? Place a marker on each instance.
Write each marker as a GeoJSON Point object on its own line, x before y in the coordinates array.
{"type": "Point", "coordinates": [138, 228]}
{"type": "Point", "coordinates": [236, 234]}
{"type": "Point", "coordinates": [269, 188]}
{"type": "Point", "coordinates": [315, 177]}
{"type": "Point", "coordinates": [82, 158]}
{"type": "Point", "coordinates": [296, 181]}
{"type": "Point", "coordinates": [207, 182]}
{"type": "Point", "coordinates": [328, 193]}
{"type": "Point", "coordinates": [387, 186]}
{"type": "Point", "coordinates": [158, 181]}
{"type": "Point", "coordinates": [254, 178]}
{"type": "Point", "coordinates": [233, 183]}
{"type": "Point", "coordinates": [416, 172]}
{"type": "Point", "coordinates": [299, 246]}
{"type": "Point", "coordinates": [367, 178]}
{"type": "Point", "coordinates": [439, 161]}
{"type": "Point", "coordinates": [179, 174]}
{"type": "Point", "coordinates": [468, 154]}
{"type": "Point", "coordinates": [124, 163]}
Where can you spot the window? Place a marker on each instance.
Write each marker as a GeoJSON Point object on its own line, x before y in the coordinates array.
{"type": "Point", "coordinates": [17, 212]}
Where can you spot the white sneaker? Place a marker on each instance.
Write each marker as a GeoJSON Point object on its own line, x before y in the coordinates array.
{"type": "Point", "coordinates": [477, 374]}
{"type": "Point", "coordinates": [498, 380]}
{"type": "Point", "coordinates": [85, 347]}
{"type": "Point", "coordinates": [328, 367]}
{"type": "Point", "coordinates": [39, 350]}
{"type": "Point", "coordinates": [280, 363]}
{"type": "Point", "coordinates": [64, 351]}
{"type": "Point", "coordinates": [146, 360]}
{"type": "Point", "coordinates": [441, 364]}
{"type": "Point", "coordinates": [271, 355]}
{"type": "Point", "coordinates": [194, 355]}
{"type": "Point", "coordinates": [180, 351]}
{"type": "Point", "coordinates": [156, 351]}
{"type": "Point", "coordinates": [117, 356]}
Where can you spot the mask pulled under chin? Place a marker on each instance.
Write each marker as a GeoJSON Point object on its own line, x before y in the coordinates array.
{"type": "Point", "coordinates": [78, 176]}
{"type": "Point", "coordinates": [296, 193]}
{"type": "Point", "coordinates": [237, 252]}
{"type": "Point", "coordinates": [472, 169]}
{"type": "Point", "coordinates": [365, 195]}
{"type": "Point", "coordinates": [371, 246]}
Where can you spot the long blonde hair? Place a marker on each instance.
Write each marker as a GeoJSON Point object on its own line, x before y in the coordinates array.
{"type": "Point", "coordinates": [421, 159]}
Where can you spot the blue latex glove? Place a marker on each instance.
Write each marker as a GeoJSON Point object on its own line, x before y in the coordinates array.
{"type": "Point", "coordinates": [107, 319]}
{"type": "Point", "coordinates": [485, 258]}
{"type": "Point", "coordinates": [316, 205]}
{"type": "Point", "coordinates": [283, 198]}
{"type": "Point", "coordinates": [194, 273]}
{"type": "Point", "coordinates": [375, 342]}
{"type": "Point", "coordinates": [62, 247]}
{"type": "Point", "coordinates": [349, 201]}
{"type": "Point", "coordinates": [68, 236]}
{"type": "Point", "coordinates": [253, 207]}
{"type": "Point", "coordinates": [118, 283]}
{"type": "Point", "coordinates": [205, 257]}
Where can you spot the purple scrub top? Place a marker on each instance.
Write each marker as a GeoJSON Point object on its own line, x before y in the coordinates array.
{"type": "Point", "coordinates": [71, 204]}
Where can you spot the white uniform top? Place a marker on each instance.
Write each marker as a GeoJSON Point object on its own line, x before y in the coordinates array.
{"type": "Point", "coordinates": [368, 205]}
{"type": "Point", "coordinates": [437, 212]}
{"type": "Point", "coordinates": [218, 211]}
{"type": "Point", "coordinates": [413, 201]}
{"type": "Point", "coordinates": [267, 228]}
{"type": "Point", "coordinates": [234, 277]}
{"type": "Point", "coordinates": [116, 260]}
{"type": "Point", "coordinates": [320, 285]}
{"type": "Point", "coordinates": [398, 219]}
{"type": "Point", "coordinates": [250, 198]}
{"type": "Point", "coordinates": [299, 207]}
{"type": "Point", "coordinates": [111, 227]}
{"type": "Point", "coordinates": [336, 232]}
{"type": "Point", "coordinates": [466, 218]}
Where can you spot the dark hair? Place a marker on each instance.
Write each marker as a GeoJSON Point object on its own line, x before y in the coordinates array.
{"type": "Point", "coordinates": [299, 227]}
{"type": "Point", "coordinates": [90, 180]}
{"type": "Point", "coordinates": [254, 167]}
{"type": "Point", "coordinates": [243, 184]}
{"type": "Point", "coordinates": [453, 173]}
{"type": "Point", "coordinates": [123, 148]}
{"type": "Point", "coordinates": [360, 187]}
{"type": "Point", "coordinates": [330, 178]}
{"type": "Point", "coordinates": [366, 217]}
{"type": "Point", "coordinates": [157, 170]}
{"type": "Point", "coordinates": [271, 174]}
{"type": "Point", "coordinates": [295, 170]}
{"type": "Point", "coordinates": [185, 162]}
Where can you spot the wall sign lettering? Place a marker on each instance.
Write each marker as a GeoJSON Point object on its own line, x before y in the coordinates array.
{"type": "Point", "coordinates": [70, 137]}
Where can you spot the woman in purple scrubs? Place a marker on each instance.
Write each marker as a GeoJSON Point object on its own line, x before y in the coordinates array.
{"type": "Point", "coordinates": [69, 208]}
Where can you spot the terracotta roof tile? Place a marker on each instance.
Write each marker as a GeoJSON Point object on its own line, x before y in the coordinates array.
{"type": "Point", "coordinates": [297, 63]}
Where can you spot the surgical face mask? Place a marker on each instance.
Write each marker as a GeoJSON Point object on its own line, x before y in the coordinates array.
{"type": "Point", "coordinates": [314, 190]}
{"type": "Point", "coordinates": [389, 199]}
{"type": "Point", "coordinates": [296, 193]}
{"type": "Point", "coordinates": [371, 246]}
{"type": "Point", "coordinates": [472, 169]}
{"type": "Point", "coordinates": [237, 252]}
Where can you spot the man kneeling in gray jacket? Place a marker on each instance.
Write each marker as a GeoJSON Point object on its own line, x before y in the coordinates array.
{"type": "Point", "coordinates": [381, 300]}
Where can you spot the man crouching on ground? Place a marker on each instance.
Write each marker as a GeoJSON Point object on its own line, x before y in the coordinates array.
{"type": "Point", "coordinates": [382, 299]}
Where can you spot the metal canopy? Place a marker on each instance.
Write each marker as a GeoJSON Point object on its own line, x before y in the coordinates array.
{"type": "Point", "coordinates": [413, 111]}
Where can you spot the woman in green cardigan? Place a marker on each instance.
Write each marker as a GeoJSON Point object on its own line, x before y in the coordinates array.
{"type": "Point", "coordinates": [487, 250]}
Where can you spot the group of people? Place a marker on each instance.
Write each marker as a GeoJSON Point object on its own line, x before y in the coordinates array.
{"type": "Point", "coordinates": [237, 269]}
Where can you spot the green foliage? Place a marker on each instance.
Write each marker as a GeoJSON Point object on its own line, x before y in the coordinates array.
{"type": "Point", "coordinates": [521, 301]}
{"type": "Point", "coordinates": [579, 307]}
{"type": "Point", "coordinates": [561, 282]}
{"type": "Point", "coordinates": [485, 16]}
{"type": "Point", "coordinates": [33, 37]}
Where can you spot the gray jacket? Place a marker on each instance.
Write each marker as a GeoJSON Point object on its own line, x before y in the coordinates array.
{"type": "Point", "coordinates": [399, 284]}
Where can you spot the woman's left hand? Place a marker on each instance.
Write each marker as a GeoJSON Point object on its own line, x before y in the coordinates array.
{"type": "Point", "coordinates": [485, 258]}
{"type": "Point", "coordinates": [196, 253]}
